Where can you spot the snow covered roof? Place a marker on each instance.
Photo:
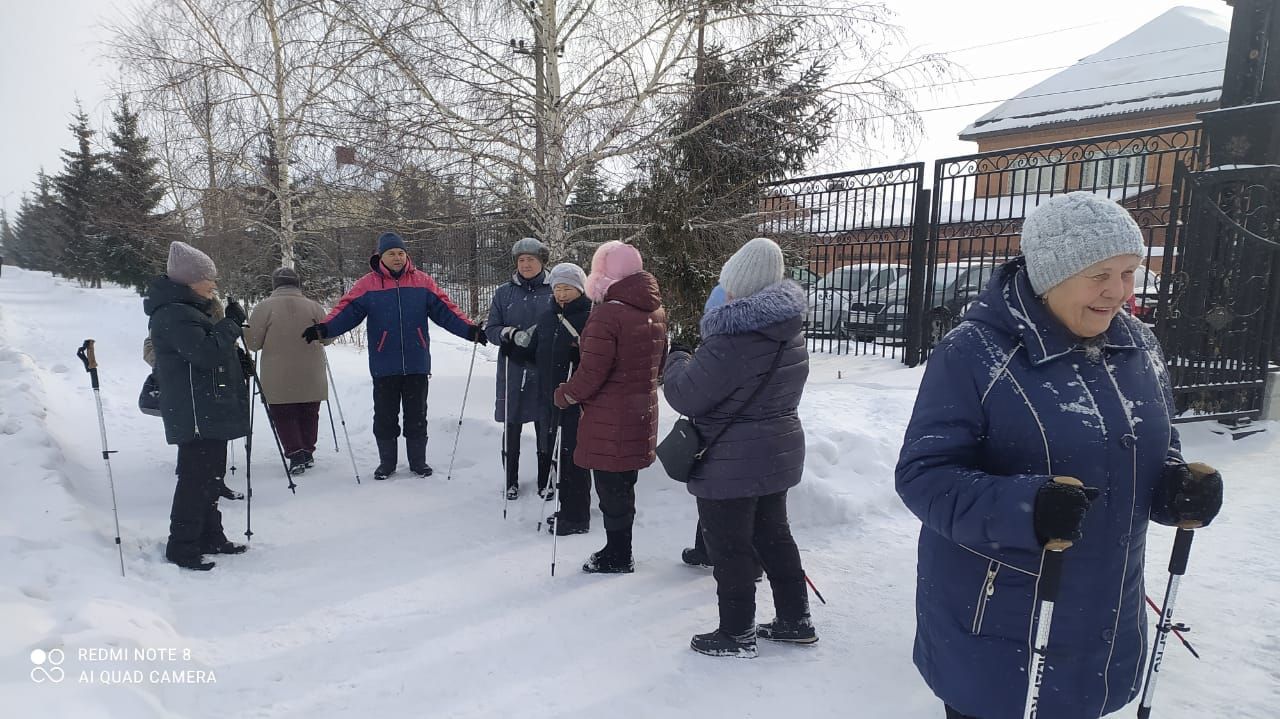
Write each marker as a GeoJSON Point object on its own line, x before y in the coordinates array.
{"type": "Point", "coordinates": [1176, 60]}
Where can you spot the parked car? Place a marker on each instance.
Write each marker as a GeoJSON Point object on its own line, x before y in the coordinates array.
{"type": "Point", "coordinates": [955, 287]}
{"type": "Point", "coordinates": [807, 278]}
{"type": "Point", "coordinates": [831, 298]}
{"type": "Point", "coordinates": [1146, 295]}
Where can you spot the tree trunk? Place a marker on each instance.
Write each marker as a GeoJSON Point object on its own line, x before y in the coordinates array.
{"type": "Point", "coordinates": [283, 184]}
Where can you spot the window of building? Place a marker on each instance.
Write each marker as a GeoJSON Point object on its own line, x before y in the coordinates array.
{"type": "Point", "coordinates": [1042, 174]}
{"type": "Point", "coordinates": [1112, 168]}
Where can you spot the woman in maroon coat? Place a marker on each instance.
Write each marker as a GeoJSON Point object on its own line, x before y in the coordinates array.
{"type": "Point", "coordinates": [622, 348]}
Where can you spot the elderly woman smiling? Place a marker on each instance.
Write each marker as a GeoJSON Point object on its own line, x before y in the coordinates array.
{"type": "Point", "coordinates": [1045, 379]}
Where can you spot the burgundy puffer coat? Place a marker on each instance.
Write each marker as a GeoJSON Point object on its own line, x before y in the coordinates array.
{"type": "Point", "coordinates": [622, 348]}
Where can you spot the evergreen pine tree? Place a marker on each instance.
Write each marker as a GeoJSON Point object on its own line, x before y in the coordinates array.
{"type": "Point", "coordinates": [134, 233]}
{"type": "Point", "coordinates": [38, 240]}
{"type": "Point", "coordinates": [80, 191]}
{"type": "Point", "coordinates": [753, 117]}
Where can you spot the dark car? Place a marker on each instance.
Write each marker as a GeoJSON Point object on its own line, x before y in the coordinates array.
{"type": "Point", "coordinates": [955, 286]}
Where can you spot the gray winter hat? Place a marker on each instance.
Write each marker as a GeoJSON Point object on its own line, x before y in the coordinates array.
{"type": "Point", "coordinates": [187, 265]}
{"type": "Point", "coordinates": [1070, 232]}
{"type": "Point", "coordinates": [567, 273]}
{"type": "Point", "coordinates": [284, 276]}
{"type": "Point", "coordinates": [755, 266]}
{"type": "Point", "coordinates": [531, 246]}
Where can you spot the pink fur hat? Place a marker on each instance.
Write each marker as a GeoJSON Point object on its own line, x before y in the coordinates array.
{"type": "Point", "coordinates": [613, 261]}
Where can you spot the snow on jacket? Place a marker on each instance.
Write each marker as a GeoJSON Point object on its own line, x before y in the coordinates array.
{"type": "Point", "coordinates": [517, 304]}
{"type": "Point", "coordinates": [291, 369]}
{"type": "Point", "coordinates": [762, 451]}
{"type": "Point", "coordinates": [203, 393]}
{"type": "Point", "coordinates": [1010, 399]}
{"type": "Point", "coordinates": [397, 310]}
{"type": "Point", "coordinates": [622, 347]}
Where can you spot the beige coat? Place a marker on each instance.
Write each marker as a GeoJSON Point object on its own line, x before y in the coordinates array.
{"type": "Point", "coordinates": [291, 371]}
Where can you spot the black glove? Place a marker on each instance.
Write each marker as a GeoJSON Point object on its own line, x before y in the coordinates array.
{"type": "Point", "coordinates": [1060, 509]}
{"type": "Point", "coordinates": [1193, 493]}
{"type": "Point", "coordinates": [476, 334]}
{"type": "Point", "coordinates": [235, 312]}
{"type": "Point", "coordinates": [246, 364]}
{"type": "Point", "coordinates": [677, 347]}
{"type": "Point", "coordinates": [318, 331]}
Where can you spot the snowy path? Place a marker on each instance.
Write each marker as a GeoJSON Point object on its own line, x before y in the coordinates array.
{"type": "Point", "coordinates": [415, 598]}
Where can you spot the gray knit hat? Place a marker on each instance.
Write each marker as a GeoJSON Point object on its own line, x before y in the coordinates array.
{"type": "Point", "coordinates": [567, 273]}
{"type": "Point", "coordinates": [1070, 232]}
{"type": "Point", "coordinates": [187, 265]}
{"type": "Point", "coordinates": [531, 246]}
{"type": "Point", "coordinates": [755, 266]}
{"type": "Point", "coordinates": [284, 276]}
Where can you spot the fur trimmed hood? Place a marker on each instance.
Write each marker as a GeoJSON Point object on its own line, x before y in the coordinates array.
{"type": "Point", "coordinates": [772, 310]}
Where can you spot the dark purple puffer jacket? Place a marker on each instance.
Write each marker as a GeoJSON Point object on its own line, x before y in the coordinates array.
{"type": "Point", "coordinates": [762, 452]}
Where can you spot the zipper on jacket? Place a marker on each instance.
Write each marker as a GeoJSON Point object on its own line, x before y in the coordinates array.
{"type": "Point", "coordinates": [984, 596]}
{"type": "Point", "coordinates": [195, 417]}
{"type": "Point", "coordinates": [404, 369]}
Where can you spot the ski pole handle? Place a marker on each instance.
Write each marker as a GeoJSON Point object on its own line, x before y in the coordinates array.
{"type": "Point", "coordinates": [86, 355]}
{"type": "Point", "coordinates": [1058, 545]}
{"type": "Point", "coordinates": [1199, 470]}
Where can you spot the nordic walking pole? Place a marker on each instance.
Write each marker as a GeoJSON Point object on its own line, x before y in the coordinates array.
{"type": "Point", "coordinates": [331, 427]}
{"type": "Point", "coordinates": [1177, 568]}
{"type": "Point", "coordinates": [341, 418]}
{"type": "Point", "coordinates": [86, 355]}
{"type": "Point", "coordinates": [1176, 631]}
{"type": "Point", "coordinates": [231, 448]}
{"type": "Point", "coordinates": [271, 421]}
{"type": "Point", "coordinates": [248, 472]}
{"type": "Point", "coordinates": [553, 481]}
{"type": "Point", "coordinates": [815, 589]}
{"type": "Point", "coordinates": [462, 412]}
{"type": "Point", "coordinates": [1047, 588]}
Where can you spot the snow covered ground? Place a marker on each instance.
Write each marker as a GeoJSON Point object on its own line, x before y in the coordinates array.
{"type": "Point", "coordinates": [415, 598]}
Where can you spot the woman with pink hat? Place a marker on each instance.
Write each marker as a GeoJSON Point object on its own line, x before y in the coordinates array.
{"type": "Point", "coordinates": [616, 384]}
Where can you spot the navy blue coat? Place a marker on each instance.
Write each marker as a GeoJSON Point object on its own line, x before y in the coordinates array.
{"type": "Point", "coordinates": [203, 392]}
{"type": "Point", "coordinates": [397, 309]}
{"type": "Point", "coordinates": [762, 452]}
{"type": "Point", "coordinates": [519, 303]}
{"type": "Point", "coordinates": [1010, 399]}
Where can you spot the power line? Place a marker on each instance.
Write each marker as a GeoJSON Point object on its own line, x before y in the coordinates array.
{"type": "Point", "coordinates": [1064, 67]}
{"type": "Point", "coordinates": [1016, 39]}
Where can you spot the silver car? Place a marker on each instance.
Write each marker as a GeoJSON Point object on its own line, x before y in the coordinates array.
{"type": "Point", "coordinates": [830, 299]}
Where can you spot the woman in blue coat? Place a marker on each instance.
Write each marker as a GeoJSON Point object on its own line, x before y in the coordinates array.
{"type": "Point", "coordinates": [742, 388]}
{"type": "Point", "coordinates": [1045, 378]}
{"type": "Point", "coordinates": [516, 307]}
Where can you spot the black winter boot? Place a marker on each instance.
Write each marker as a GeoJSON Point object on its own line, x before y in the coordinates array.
{"type": "Point", "coordinates": [793, 631]}
{"type": "Point", "coordinates": [195, 563]}
{"type": "Point", "coordinates": [696, 557]}
{"type": "Point", "coordinates": [299, 462]}
{"type": "Point", "coordinates": [615, 558]}
{"type": "Point", "coordinates": [511, 459]}
{"type": "Point", "coordinates": [566, 527]}
{"type": "Point", "coordinates": [417, 450]}
{"type": "Point", "coordinates": [225, 548]}
{"type": "Point", "coordinates": [724, 644]}
{"type": "Point", "coordinates": [386, 458]}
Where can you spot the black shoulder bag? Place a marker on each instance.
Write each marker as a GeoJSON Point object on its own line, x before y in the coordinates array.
{"type": "Point", "coordinates": [683, 447]}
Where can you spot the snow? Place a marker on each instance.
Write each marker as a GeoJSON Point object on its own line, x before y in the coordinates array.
{"type": "Point", "coordinates": [1176, 60]}
{"type": "Point", "coordinates": [413, 597]}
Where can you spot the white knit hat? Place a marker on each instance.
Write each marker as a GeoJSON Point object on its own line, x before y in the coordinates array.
{"type": "Point", "coordinates": [567, 273]}
{"type": "Point", "coordinates": [1070, 232]}
{"type": "Point", "coordinates": [755, 266]}
{"type": "Point", "coordinates": [187, 265]}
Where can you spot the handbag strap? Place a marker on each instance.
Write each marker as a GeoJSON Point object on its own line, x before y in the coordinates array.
{"type": "Point", "coordinates": [777, 360]}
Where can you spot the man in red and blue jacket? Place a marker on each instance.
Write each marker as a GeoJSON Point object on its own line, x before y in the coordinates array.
{"type": "Point", "coordinates": [397, 299]}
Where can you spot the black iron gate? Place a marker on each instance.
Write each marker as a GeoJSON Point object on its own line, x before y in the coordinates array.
{"type": "Point", "coordinates": [1220, 291]}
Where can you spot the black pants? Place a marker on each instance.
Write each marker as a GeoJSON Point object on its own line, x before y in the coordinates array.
{"type": "Point", "coordinates": [389, 395]}
{"type": "Point", "coordinates": [617, 493]}
{"type": "Point", "coordinates": [195, 524]}
{"type": "Point", "coordinates": [575, 482]}
{"type": "Point", "coordinates": [953, 714]}
{"type": "Point", "coordinates": [511, 453]}
{"type": "Point", "coordinates": [737, 531]}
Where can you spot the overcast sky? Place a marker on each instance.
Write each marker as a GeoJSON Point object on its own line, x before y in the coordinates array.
{"type": "Point", "coordinates": [50, 54]}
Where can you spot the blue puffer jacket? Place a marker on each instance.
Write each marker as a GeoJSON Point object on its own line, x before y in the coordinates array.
{"type": "Point", "coordinates": [397, 309]}
{"type": "Point", "coordinates": [762, 451]}
{"type": "Point", "coordinates": [1010, 399]}
{"type": "Point", "coordinates": [519, 303]}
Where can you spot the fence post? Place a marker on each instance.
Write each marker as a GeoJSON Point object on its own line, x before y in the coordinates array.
{"type": "Point", "coordinates": [473, 269]}
{"type": "Point", "coordinates": [921, 223]}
